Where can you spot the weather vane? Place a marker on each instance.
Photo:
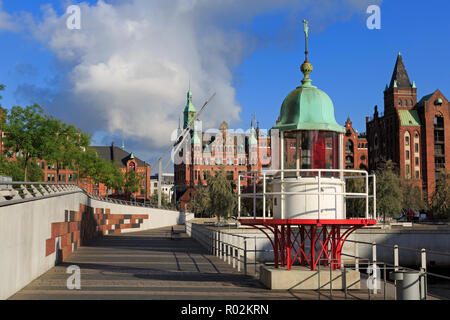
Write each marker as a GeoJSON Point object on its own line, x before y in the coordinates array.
{"type": "Point", "coordinates": [305, 23]}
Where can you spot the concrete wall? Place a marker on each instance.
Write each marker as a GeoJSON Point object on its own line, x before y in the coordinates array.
{"type": "Point", "coordinates": [158, 218]}
{"type": "Point", "coordinates": [25, 227]}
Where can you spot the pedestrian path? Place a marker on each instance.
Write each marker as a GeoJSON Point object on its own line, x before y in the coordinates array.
{"type": "Point", "coordinates": [151, 265]}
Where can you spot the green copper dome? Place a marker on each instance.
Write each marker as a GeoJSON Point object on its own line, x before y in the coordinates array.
{"type": "Point", "coordinates": [307, 107]}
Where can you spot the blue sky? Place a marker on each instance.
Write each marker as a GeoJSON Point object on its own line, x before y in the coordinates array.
{"type": "Point", "coordinates": [352, 64]}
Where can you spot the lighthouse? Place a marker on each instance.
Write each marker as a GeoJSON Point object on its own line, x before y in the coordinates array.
{"type": "Point", "coordinates": [309, 225]}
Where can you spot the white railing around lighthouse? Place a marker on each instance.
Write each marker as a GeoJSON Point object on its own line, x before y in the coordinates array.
{"type": "Point", "coordinates": [267, 176]}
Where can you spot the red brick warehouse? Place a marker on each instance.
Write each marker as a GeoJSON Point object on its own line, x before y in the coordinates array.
{"type": "Point", "coordinates": [414, 135]}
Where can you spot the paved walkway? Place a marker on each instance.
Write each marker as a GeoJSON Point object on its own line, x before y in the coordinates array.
{"type": "Point", "coordinates": [149, 265]}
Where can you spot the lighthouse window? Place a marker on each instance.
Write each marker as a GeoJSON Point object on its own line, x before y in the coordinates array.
{"type": "Point", "coordinates": [313, 150]}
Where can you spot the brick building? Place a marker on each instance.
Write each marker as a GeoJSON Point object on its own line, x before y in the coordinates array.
{"type": "Point", "coordinates": [414, 135]}
{"type": "Point", "coordinates": [356, 152]}
{"type": "Point", "coordinates": [207, 152]}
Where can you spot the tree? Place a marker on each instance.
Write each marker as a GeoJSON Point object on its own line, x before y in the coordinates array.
{"type": "Point", "coordinates": [355, 207]}
{"type": "Point", "coordinates": [440, 201]}
{"type": "Point", "coordinates": [412, 198]}
{"type": "Point", "coordinates": [200, 203]}
{"type": "Point", "coordinates": [389, 191]}
{"type": "Point", "coordinates": [165, 201]}
{"type": "Point", "coordinates": [223, 199]}
{"type": "Point", "coordinates": [14, 169]}
{"type": "Point", "coordinates": [27, 134]}
{"type": "Point", "coordinates": [131, 183]}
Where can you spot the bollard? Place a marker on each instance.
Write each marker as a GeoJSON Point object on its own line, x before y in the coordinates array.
{"type": "Point", "coordinates": [410, 284]}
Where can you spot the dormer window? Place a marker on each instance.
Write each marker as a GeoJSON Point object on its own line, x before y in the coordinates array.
{"type": "Point", "coordinates": [131, 167]}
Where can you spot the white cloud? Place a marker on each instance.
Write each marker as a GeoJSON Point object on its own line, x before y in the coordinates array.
{"type": "Point", "coordinates": [6, 20]}
{"type": "Point", "coordinates": [130, 64]}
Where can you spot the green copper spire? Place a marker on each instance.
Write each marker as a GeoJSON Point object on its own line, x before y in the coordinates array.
{"type": "Point", "coordinates": [307, 107]}
{"type": "Point", "coordinates": [123, 144]}
{"type": "Point", "coordinates": [189, 110]}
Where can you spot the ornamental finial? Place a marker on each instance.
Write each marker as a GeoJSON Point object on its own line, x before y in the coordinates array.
{"type": "Point", "coordinates": [306, 68]}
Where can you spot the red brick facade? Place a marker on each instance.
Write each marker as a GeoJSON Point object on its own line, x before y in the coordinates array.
{"type": "Point", "coordinates": [236, 153]}
{"type": "Point", "coordinates": [412, 134]}
{"type": "Point", "coordinates": [356, 152]}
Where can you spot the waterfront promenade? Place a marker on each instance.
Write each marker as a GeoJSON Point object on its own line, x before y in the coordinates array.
{"type": "Point", "coordinates": [149, 265]}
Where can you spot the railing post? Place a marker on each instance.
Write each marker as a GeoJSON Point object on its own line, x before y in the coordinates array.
{"type": "Point", "coordinates": [356, 256]}
{"type": "Point", "coordinates": [423, 279]}
{"type": "Point", "coordinates": [245, 256]}
{"type": "Point", "coordinates": [233, 252]}
{"type": "Point", "coordinates": [396, 261]}
{"type": "Point", "coordinates": [367, 195]}
{"type": "Point", "coordinates": [239, 254]}
{"type": "Point", "coordinates": [264, 196]}
{"type": "Point", "coordinates": [239, 196]}
{"type": "Point", "coordinates": [318, 195]}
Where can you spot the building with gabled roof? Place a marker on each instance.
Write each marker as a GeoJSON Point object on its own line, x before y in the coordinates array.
{"type": "Point", "coordinates": [414, 135]}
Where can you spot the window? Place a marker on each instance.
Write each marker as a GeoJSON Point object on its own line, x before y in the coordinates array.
{"type": "Point", "coordinates": [407, 170]}
{"type": "Point", "coordinates": [416, 147]}
{"type": "Point", "coordinates": [399, 102]}
{"type": "Point", "coordinates": [407, 140]}
{"type": "Point", "coordinates": [131, 166]}
{"type": "Point", "coordinates": [410, 102]}
{"type": "Point", "coordinates": [417, 161]}
{"type": "Point", "coordinates": [417, 174]}
{"type": "Point", "coordinates": [406, 103]}
{"type": "Point", "coordinates": [407, 154]}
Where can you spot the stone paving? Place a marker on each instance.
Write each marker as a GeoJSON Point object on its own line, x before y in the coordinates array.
{"type": "Point", "coordinates": [150, 265]}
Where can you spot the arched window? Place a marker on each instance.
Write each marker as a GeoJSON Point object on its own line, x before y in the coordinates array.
{"type": "Point", "coordinates": [131, 167]}
{"type": "Point", "coordinates": [406, 103]}
{"type": "Point", "coordinates": [399, 102]}
{"type": "Point", "coordinates": [349, 147]}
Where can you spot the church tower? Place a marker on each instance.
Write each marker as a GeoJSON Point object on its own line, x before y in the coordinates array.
{"type": "Point", "coordinates": [401, 93]}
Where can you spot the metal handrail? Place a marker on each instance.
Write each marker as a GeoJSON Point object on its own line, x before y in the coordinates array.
{"type": "Point", "coordinates": [264, 175]}
{"type": "Point", "coordinates": [214, 241]}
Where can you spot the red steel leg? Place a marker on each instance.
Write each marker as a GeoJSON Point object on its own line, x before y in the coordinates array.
{"type": "Point", "coordinates": [288, 247]}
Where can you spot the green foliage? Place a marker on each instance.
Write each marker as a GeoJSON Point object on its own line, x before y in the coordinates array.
{"type": "Point", "coordinates": [247, 203]}
{"type": "Point", "coordinates": [200, 203]}
{"type": "Point", "coordinates": [389, 190]}
{"type": "Point", "coordinates": [223, 199]}
{"type": "Point", "coordinates": [440, 201]}
{"type": "Point", "coordinates": [26, 134]}
{"type": "Point", "coordinates": [412, 198]}
{"type": "Point", "coordinates": [165, 201]}
{"type": "Point", "coordinates": [131, 183]}
{"type": "Point", "coordinates": [2, 87]}
{"type": "Point", "coordinates": [356, 207]}
{"type": "Point", "coordinates": [14, 169]}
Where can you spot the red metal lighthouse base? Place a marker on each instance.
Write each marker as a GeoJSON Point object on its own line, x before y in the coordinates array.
{"type": "Point", "coordinates": [307, 242]}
